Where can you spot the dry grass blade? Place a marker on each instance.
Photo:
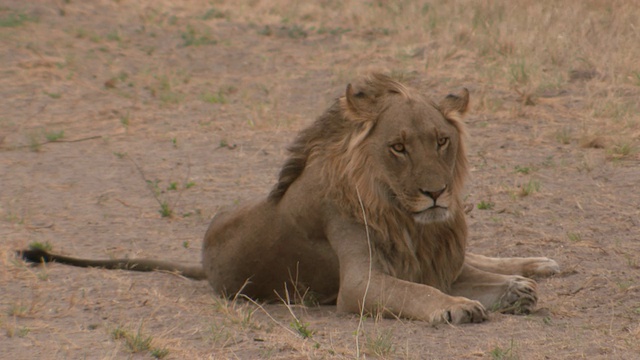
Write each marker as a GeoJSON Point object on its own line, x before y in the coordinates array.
{"type": "Point", "coordinates": [366, 290]}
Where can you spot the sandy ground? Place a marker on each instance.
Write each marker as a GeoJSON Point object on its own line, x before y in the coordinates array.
{"type": "Point", "coordinates": [110, 108]}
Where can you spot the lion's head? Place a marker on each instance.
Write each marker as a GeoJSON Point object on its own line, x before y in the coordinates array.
{"type": "Point", "coordinates": [389, 151]}
{"type": "Point", "coordinates": [411, 147]}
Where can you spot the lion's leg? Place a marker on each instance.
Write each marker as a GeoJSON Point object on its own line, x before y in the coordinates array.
{"type": "Point", "coordinates": [398, 298]}
{"type": "Point", "coordinates": [529, 266]}
{"type": "Point", "coordinates": [362, 287]}
{"type": "Point", "coordinates": [505, 293]}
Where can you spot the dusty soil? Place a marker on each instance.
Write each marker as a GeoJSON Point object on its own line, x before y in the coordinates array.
{"type": "Point", "coordinates": [110, 109]}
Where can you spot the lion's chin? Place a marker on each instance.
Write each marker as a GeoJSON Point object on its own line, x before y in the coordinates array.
{"type": "Point", "coordinates": [431, 215]}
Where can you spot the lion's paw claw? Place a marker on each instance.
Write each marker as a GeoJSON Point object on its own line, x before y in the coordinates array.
{"type": "Point", "coordinates": [466, 311]}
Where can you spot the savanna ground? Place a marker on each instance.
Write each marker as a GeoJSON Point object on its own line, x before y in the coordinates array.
{"type": "Point", "coordinates": [125, 126]}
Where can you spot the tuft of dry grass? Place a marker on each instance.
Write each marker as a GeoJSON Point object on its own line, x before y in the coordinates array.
{"type": "Point", "coordinates": [593, 141]}
{"type": "Point", "coordinates": [380, 343]}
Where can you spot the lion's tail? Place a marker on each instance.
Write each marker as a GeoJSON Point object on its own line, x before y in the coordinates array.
{"type": "Point", "coordinates": [42, 256]}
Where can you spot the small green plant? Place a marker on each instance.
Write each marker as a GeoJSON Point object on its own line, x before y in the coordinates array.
{"type": "Point", "coordinates": [636, 77]}
{"type": "Point", "coordinates": [192, 38]}
{"type": "Point", "coordinates": [153, 185]}
{"type": "Point", "coordinates": [114, 36]}
{"type": "Point", "coordinates": [495, 307]}
{"type": "Point", "coordinates": [159, 353]}
{"type": "Point", "coordinates": [20, 332]}
{"type": "Point", "coordinates": [53, 95]}
{"type": "Point", "coordinates": [482, 205]}
{"type": "Point", "coordinates": [120, 155]}
{"type": "Point", "coordinates": [189, 184]}
{"type": "Point", "coordinates": [218, 98]}
{"type": "Point", "coordinates": [297, 32]}
{"type": "Point", "coordinates": [529, 188]}
{"type": "Point", "coordinates": [186, 244]}
{"type": "Point", "coordinates": [36, 245]}
{"type": "Point", "coordinates": [310, 299]}
{"type": "Point", "coordinates": [34, 142]}
{"type": "Point", "coordinates": [135, 342]}
{"type": "Point", "coordinates": [123, 76]}
{"type": "Point", "coordinates": [174, 141]}
{"type": "Point", "coordinates": [549, 162]}
{"type": "Point", "coordinates": [522, 169]}
{"type": "Point", "coordinates": [245, 318]}
{"type": "Point", "coordinates": [165, 209]}
{"type": "Point", "coordinates": [519, 73]}
{"type": "Point", "coordinates": [499, 353]}
{"type": "Point", "coordinates": [149, 50]}
{"type": "Point", "coordinates": [624, 285]}
{"type": "Point", "coordinates": [14, 218]}
{"type": "Point", "coordinates": [81, 33]}
{"type": "Point", "coordinates": [381, 344]}
{"type": "Point", "coordinates": [43, 275]}
{"type": "Point", "coordinates": [301, 328]}
{"type": "Point", "coordinates": [14, 20]}
{"type": "Point", "coordinates": [621, 151]}
{"type": "Point", "coordinates": [214, 14]}
{"type": "Point", "coordinates": [164, 91]}
{"type": "Point", "coordinates": [564, 136]}
{"type": "Point", "coordinates": [265, 31]}
{"type": "Point", "coordinates": [18, 310]}
{"type": "Point", "coordinates": [237, 313]}
{"type": "Point", "coordinates": [332, 31]}
{"type": "Point", "coordinates": [219, 334]}
{"type": "Point", "coordinates": [54, 135]}
{"type": "Point", "coordinates": [119, 333]}
{"type": "Point", "coordinates": [575, 237]}
{"type": "Point", "coordinates": [124, 120]}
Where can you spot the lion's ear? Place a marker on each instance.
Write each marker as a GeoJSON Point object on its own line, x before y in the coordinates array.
{"type": "Point", "coordinates": [455, 106]}
{"type": "Point", "coordinates": [362, 97]}
{"type": "Point", "coordinates": [359, 103]}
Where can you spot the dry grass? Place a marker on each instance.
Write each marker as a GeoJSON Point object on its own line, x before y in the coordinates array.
{"type": "Point", "coordinates": [211, 92]}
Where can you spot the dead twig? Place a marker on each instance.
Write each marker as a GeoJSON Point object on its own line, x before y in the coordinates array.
{"type": "Point", "coordinates": [144, 178]}
{"type": "Point", "coordinates": [60, 141]}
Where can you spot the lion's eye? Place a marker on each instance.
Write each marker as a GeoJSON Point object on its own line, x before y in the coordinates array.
{"type": "Point", "coordinates": [443, 141]}
{"type": "Point", "coordinates": [398, 147]}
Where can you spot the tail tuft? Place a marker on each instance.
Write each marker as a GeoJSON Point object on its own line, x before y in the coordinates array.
{"type": "Point", "coordinates": [35, 255]}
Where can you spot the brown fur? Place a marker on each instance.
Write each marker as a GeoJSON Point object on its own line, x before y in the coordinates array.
{"type": "Point", "coordinates": [380, 172]}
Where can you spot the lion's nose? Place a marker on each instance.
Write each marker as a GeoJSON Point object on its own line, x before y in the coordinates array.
{"type": "Point", "coordinates": [434, 195]}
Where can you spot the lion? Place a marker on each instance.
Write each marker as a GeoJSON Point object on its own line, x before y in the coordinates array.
{"type": "Point", "coordinates": [366, 214]}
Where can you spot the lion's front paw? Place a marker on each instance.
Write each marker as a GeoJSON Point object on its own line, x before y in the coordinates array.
{"type": "Point", "coordinates": [462, 311]}
{"type": "Point", "coordinates": [520, 296]}
{"type": "Point", "coordinates": [541, 267]}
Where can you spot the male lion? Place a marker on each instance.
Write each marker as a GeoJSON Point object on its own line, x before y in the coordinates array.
{"type": "Point", "coordinates": [367, 214]}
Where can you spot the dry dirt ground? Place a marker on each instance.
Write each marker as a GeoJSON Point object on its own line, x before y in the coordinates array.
{"type": "Point", "coordinates": [112, 112]}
